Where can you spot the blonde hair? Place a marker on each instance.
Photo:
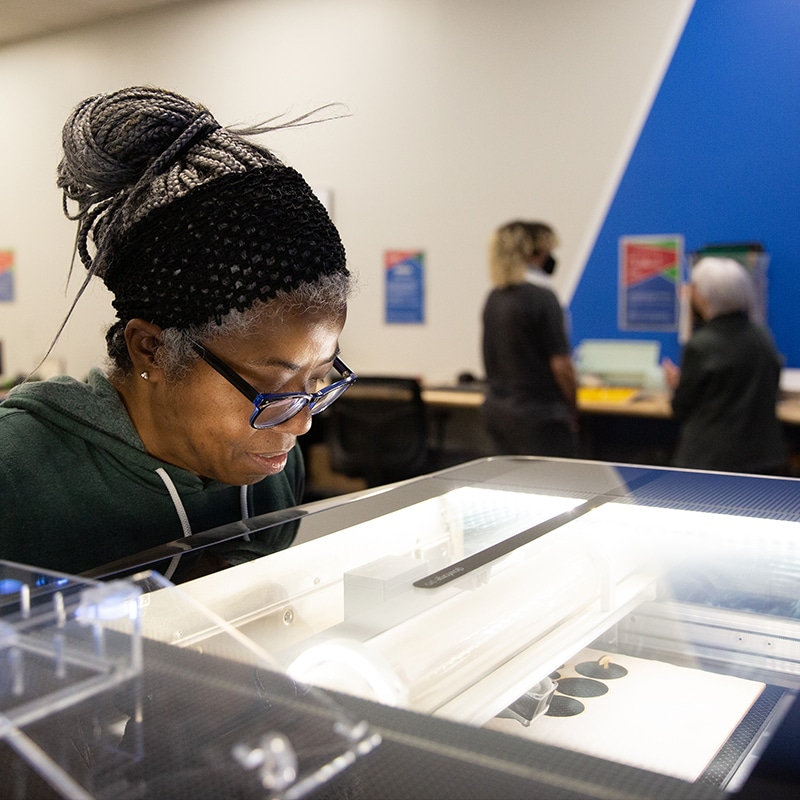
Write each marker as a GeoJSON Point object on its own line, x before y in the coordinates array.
{"type": "Point", "coordinates": [512, 248]}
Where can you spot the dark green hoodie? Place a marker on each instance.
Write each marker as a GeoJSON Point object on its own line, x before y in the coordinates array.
{"type": "Point", "coordinates": [78, 490]}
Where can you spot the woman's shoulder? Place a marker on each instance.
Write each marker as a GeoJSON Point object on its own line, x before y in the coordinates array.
{"type": "Point", "coordinates": [525, 290]}
{"type": "Point", "coordinates": [72, 404]}
{"type": "Point", "coordinates": [26, 441]}
{"type": "Point", "coordinates": [15, 420]}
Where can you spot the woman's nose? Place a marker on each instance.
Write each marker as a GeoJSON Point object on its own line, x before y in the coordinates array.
{"type": "Point", "coordinates": [297, 425]}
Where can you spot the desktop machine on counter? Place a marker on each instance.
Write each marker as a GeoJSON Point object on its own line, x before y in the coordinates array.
{"type": "Point", "coordinates": [513, 627]}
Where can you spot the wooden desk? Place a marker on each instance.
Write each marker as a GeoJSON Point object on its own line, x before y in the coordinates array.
{"type": "Point", "coordinates": [452, 398]}
{"type": "Point", "coordinates": [624, 402]}
{"type": "Point", "coordinates": [615, 425]}
{"type": "Point", "coordinates": [789, 410]}
{"type": "Point", "coordinates": [637, 404]}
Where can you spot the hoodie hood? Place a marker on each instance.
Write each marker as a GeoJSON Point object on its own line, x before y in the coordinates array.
{"type": "Point", "coordinates": [93, 407]}
{"type": "Point", "coordinates": [94, 412]}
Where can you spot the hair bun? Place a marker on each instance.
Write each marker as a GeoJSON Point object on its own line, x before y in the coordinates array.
{"type": "Point", "coordinates": [110, 140]}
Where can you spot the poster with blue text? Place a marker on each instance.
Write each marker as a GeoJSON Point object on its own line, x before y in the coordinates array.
{"type": "Point", "coordinates": [649, 281]}
{"type": "Point", "coordinates": [405, 286]}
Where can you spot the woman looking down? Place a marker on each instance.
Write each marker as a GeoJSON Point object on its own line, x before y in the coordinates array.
{"type": "Point", "coordinates": [230, 286]}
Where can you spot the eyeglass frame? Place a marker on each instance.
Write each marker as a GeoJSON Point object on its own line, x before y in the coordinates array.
{"type": "Point", "coordinates": [262, 400]}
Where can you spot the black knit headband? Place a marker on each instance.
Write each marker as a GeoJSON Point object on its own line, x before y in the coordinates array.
{"type": "Point", "coordinates": [223, 246]}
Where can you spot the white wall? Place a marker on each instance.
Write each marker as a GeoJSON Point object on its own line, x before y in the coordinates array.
{"type": "Point", "coordinates": [465, 113]}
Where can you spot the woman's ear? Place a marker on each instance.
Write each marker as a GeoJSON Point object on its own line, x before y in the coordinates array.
{"type": "Point", "coordinates": [142, 339]}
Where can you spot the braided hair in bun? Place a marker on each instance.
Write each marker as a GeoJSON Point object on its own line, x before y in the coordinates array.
{"type": "Point", "coordinates": [186, 221]}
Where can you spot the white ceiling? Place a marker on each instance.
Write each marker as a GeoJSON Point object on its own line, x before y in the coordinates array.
{"type": "Point", "coordinates": [26, 19]}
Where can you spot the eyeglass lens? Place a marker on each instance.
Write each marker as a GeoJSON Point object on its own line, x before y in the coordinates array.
{"type": "Point", "coordinates": [275, 412]}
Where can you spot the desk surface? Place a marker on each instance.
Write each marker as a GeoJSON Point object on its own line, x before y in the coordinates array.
{"type": "Point", "coordinates": [635, 404]}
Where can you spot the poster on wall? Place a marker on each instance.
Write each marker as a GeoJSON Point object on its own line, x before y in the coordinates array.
{"type": "Point", "coordinates": [6, 276]}
{"type": "Point", "coordinates": [405, 286]}
{"type": "Point", "coordinates": [649, 280]}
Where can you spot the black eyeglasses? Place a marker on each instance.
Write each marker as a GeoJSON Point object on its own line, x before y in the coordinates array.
{"type": "Point", "coordinates": [273, 409]}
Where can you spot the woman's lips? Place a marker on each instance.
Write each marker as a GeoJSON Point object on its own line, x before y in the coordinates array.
{"type": "Point", "coordinates": [270, 464]}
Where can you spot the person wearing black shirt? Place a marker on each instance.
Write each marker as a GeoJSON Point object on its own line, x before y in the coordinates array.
{"type": "Point", "coordinates": [530, 406]}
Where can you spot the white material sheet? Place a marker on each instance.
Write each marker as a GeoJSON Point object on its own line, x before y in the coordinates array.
{"type": "Point", "coordinates": [666, 719]}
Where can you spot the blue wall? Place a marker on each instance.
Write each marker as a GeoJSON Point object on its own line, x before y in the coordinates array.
{"type": "Point", "coordinates": [718, 160]}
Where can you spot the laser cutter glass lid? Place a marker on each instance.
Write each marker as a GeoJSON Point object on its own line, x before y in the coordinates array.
{"type": "Point", "coordinates": [91, 708]}
{"type": "Point", "coordinates": [458, 594]}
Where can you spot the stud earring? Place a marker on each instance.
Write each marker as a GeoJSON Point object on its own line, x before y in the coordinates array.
{"type": "Point", "coordinates": [144, 375]}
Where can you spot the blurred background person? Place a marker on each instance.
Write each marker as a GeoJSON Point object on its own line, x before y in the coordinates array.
{"type": "Point", "coordinates": [726, 388]}
{"type": "Point", "coordinates": [530, 406]}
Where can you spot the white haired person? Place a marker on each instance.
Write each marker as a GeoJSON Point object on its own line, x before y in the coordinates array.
{"type": "Point", "coordinates": [230, 289]}
{"type": "Point", "coordinates": [726, 389]}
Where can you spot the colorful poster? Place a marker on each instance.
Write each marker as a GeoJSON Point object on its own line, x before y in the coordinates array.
{"type": "Point", "coordinates": [649, 280]}
{"type": "Point", "coordinates": [405, 286]}
{"type": "Point", "coordinates": [6, 275]}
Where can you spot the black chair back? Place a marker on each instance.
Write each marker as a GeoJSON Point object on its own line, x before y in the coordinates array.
{"type": "Point", "coordinates": [377, 430]}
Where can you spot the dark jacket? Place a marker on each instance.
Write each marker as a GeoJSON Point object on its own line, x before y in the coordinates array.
{"type": "Point", "coordinates": [725, 400]}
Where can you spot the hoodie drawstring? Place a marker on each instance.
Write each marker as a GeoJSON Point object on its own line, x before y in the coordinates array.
{"type": "Point", "coordinates": [244, 505]}
{"type": "Point", "coordinates": [245, 508]}
{"type": "Point", "coordinates": [182, 516]}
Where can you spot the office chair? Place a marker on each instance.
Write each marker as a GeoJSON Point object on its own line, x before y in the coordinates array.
{"type": "Point", "coordinates": [377, 430]}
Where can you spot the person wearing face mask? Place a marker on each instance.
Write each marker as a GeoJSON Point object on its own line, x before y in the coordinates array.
{"type": "Point", "coordinates": [530, 406]}
{"type": "Point", "coordinates": [725, 391]}
{"type": "Point", "coordinates": [230, 288]}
